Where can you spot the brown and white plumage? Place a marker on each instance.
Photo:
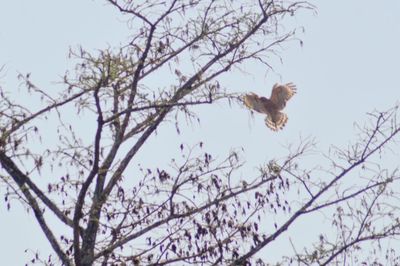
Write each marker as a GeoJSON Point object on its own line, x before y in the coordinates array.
{"type": "Point", "coordinates": [280, 94]}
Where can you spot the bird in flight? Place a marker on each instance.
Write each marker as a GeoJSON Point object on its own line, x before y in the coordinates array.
{"type": "Point", "coordinates": [273, 106]}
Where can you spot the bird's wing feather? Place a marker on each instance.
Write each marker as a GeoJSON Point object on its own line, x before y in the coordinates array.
{"type": "Point", "coordinates": [281, 94]}
{"type": "Point", "coordinates": [253, 101]}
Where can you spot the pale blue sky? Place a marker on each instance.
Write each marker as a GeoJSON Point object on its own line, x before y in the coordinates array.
{"type": "Point", "coordinates": [348, 66]}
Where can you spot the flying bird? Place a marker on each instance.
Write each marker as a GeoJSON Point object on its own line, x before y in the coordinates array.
{"type": "Point", "coordinates": [273, 106]}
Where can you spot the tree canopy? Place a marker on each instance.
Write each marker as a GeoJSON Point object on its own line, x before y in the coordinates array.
{"type": "Point", "coordinates": [199, 210]}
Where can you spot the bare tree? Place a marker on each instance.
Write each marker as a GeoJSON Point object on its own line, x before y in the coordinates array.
{"type": "Point", "coordinates": [197, 211]}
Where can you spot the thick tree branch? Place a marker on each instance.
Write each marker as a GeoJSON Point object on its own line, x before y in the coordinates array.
{"type": "Point", "coordinates": [22, 181]}
{"type": "Point", "coordinates": [305, 207]}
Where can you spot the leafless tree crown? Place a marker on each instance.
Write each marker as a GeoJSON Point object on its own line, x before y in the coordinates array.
{"type": "Point", "coordinates": [82, 172]}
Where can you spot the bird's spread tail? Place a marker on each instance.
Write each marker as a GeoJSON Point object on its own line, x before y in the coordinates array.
{"type": "Point", "coordinates": [279, 123]}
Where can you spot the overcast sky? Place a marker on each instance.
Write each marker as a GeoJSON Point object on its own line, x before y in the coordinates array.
{"type": "Point", "coordinates": [348, 66]}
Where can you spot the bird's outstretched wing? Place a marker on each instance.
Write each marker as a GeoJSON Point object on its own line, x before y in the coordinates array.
{"type": "Point", "coordinates": [281, 94]}
{"type": "Point", "coordinates": [253, 101]}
